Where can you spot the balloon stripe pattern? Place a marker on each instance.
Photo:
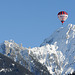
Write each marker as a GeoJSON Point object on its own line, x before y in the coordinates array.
{"type": "Point", "coordinates": [62, 16]}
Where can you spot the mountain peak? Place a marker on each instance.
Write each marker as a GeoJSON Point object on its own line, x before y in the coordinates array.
{"type": "Point", "coordinates": [65, 38]}
{"type": "Point", "coordinates": [56, 54]}
{"type": "Point", "coordinates": [64, 33]}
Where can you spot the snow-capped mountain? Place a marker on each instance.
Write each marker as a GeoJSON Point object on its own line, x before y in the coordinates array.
{"type": "Point", "coordinates": [65, 38]}
{"type": "Point", "coordinates": [21, 55]}
{"type": "Point", "coordinates": [56, 55]}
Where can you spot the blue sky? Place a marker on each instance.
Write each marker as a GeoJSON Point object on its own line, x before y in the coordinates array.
{"type": "Point", "coordinates": [31, 21]}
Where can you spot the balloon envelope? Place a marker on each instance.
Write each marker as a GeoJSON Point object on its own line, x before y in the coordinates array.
{"type": "Point", "coordinates": [62, 16]}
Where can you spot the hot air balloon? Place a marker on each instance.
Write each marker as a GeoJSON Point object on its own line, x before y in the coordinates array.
{"type": "Point", "coordinates": [62, 16]}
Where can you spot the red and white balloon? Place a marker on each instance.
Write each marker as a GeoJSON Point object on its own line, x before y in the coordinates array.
{"type": "Point", "coordinates": [62, 16]}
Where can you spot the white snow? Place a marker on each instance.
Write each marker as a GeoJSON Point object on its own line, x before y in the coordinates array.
{"type": "Point", "coordinates": [65, 38]}
{"type": "Point", "coordinates": [57, 52]}
{"type": "Point", "coordinates": [13, 64]}
{"type": "Point", "coordinates": [50, 57]}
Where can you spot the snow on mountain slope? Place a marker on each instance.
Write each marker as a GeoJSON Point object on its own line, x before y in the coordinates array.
{"type": "Point", "coordinates": [57, 53]}
{"type": "Point", "coordinates": [50, 57]}
{"type": "Point", "coordinates": [65, 38]}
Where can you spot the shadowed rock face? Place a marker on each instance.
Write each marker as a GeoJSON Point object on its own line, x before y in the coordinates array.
{"type": "Point", "coordinates": [9, 67]}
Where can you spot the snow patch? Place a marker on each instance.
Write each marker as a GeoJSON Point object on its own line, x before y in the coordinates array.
{"type": "Point", "coordinates": [5, 70]}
